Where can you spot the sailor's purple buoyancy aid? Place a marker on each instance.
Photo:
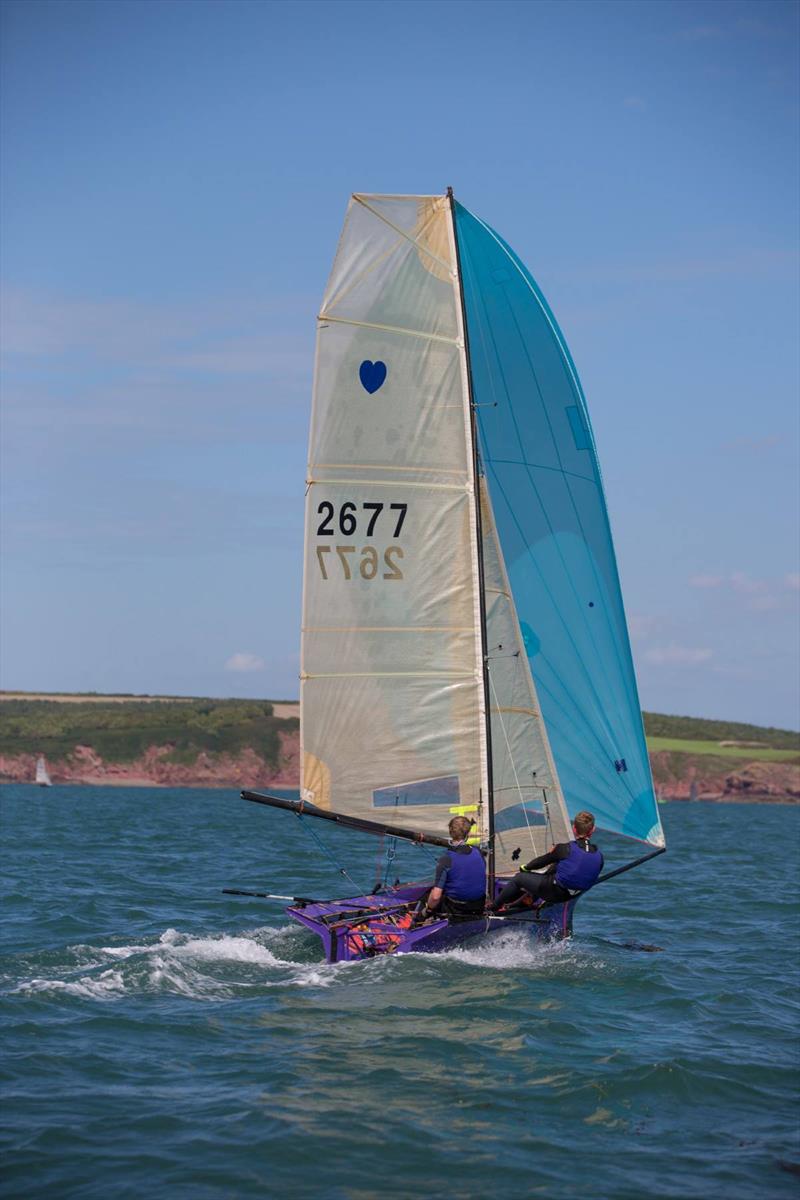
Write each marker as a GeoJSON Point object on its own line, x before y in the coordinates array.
{"type": "Point", "coordinates": [580, 869]}
{"type": "Point", "coordinates": [466, 875]}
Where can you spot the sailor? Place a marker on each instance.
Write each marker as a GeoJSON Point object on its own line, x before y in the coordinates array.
{"type": "Point", "coordinates": [572, 867]}
{"type": "Point", "coordinates": [460, 883]}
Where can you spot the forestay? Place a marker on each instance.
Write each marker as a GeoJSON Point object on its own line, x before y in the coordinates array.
{"type": "Point", "coordinates": [543, 475]}
{"type": "Point", "coordinates": [393, 709]}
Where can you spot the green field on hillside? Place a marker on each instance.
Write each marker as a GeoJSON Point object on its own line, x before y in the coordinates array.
{"type": "Point", "coordinates": [751, 754]}
{"type": "Point", "coordinates": [697, 729]}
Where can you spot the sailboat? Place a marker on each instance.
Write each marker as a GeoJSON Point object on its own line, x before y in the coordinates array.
{"type": "Point", "coordinates": [464, 643]}
{"type": "Point", "coordinates": [42, 777]}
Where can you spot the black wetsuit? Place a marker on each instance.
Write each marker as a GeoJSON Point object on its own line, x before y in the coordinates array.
{"type": "Point", "coordinates": [541, 887]}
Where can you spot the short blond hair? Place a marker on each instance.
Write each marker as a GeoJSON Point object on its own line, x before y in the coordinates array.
{"type": "Point", "coordinates": [583, 823]}
{"type": "Point", "coordinates": [459, 828]}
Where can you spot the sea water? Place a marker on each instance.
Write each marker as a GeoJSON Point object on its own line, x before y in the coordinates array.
{"type": "Point", "coordinates": [164, 1039]}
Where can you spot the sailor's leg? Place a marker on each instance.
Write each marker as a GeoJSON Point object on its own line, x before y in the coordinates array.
{"type": "Point", "coordinates": [511, 892]}
{"type": "Point", "coordinates": [523, 881]}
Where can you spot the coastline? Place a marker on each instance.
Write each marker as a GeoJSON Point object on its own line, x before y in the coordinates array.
{"type": "Point", "coordinates": [163, 742]}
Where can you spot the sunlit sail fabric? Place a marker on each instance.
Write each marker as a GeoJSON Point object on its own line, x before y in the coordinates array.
{"type": "Point", "coordinates": [529, 811]}
{"type": "Point", "coordinates": [393, 709]}
{"type": "Point", "coordinates": [543, 476]}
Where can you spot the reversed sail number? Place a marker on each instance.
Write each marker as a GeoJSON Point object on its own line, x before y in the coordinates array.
{"type": "Point", "coordinates": [368, 565]}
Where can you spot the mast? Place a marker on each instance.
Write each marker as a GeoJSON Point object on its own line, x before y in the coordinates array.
{"type": "Point", "coordinates": [476, 467]}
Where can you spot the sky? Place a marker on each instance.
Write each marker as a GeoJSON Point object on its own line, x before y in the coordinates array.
{"type": "Point", "coordinates": [175, 176]}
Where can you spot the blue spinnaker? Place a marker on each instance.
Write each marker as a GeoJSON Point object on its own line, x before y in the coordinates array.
{"type": "Point", "coordinates": [540, 461]}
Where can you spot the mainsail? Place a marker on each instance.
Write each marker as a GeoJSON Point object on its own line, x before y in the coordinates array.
{"type": "Point", "coordinates": [393, 705]}
{"type": "Point", "coordinates": [422, 688]}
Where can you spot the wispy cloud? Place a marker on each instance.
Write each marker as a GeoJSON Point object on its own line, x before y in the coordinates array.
{"type": "Point", "coordinates": [701, 33]}
{"type": "Point", "coordinates": [734, 261]}
{"type": "Point", "coordinates": [706, 581]}
{"type": "Point", "coordinates": [674, 655]}
{"type": "Point", "coordinates": [635, 102]}
{"type": "Point", "coordinates": [759, 594]}
{"type": "Point", "coordinates": [229, 336]}
{"type": "Point", "coordinates": [644, 625]}
{"type": "Point", "coordinates": [183, 372]}
{"type": "Point", "coordinates": [753, 445]}
{"type": "Point", "coordinates": [792, 581]}
{"type": "Point", "coordinates": [243, 661]}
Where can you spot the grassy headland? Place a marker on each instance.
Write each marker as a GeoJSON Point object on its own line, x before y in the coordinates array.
{"type": "Point", "coordinates": [173, 740]}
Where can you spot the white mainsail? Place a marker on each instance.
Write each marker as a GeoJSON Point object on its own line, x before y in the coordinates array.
{"type": "Point", "coordinates": [42, 776]}
{"type": "Point", "coordinates": [393, 704]}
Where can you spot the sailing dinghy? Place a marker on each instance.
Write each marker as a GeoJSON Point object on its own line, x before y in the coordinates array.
{"type": "Point", "coordinates": [464, 643]}
{"type": "Point", "coordinates": [42, 776]}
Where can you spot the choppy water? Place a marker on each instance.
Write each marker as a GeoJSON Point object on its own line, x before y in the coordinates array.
{"type": "Point", "coordinates": [161, 1038]}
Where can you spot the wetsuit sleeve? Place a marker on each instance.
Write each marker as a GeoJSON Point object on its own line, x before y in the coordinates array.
{"type": "Point", "coordinates": [442, 869]}
{"type": "Point", "coordinates": [544, 860]}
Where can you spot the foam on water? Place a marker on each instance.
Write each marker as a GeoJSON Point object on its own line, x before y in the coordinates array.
{"type": "Point", "coordinates": [205, 967]}
{"type": "Point", "coordinates": [520, 950]}
{"type": "Point", "coordinates": [184, 964]}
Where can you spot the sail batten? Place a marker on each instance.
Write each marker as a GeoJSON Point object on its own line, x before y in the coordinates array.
{"type": "Point", "coordinates": [420, 333]}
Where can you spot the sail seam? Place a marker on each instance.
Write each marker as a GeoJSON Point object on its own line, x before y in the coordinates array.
{"type": "Point", "coordinates": [391, 675]}
{"type": "Point", "coordinates": [520, 462]}
{"type": "Point", "coordinates": [387, 629]}
{"type": "Point", "coordinates": [393, 466]}
{"type": "Point", "coordinates": [410, 483]}
{"type": "Point", "coordinates": [429, 337]}
{"type": "Point", "coordinates": [422, 249]}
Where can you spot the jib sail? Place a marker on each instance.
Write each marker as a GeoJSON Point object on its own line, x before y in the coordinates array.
{"type": "Point", "coordinates": [539, 457]}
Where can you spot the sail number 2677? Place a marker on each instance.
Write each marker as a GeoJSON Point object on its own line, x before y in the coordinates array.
{"type": "Point", "coordinates": [355, 561]}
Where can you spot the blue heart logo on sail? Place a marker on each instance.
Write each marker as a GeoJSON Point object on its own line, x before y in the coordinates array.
{"type": "Point", "coordinates": [372, 375]}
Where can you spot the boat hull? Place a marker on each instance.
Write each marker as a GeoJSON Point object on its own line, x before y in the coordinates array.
{"type": "Point", "coordinates": [370, 926]}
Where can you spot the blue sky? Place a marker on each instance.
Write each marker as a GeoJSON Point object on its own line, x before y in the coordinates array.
{"type": "Point", "coordinates": [175, 176]}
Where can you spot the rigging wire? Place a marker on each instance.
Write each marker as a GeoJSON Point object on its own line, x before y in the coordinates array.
{"type": "Point", "coordinates": [331, 856]}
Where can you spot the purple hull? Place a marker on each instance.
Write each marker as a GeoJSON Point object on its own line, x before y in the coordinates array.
{"type": "Point", "coordinates": [366, 926]}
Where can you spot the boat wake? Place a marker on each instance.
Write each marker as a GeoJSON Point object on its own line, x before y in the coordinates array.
{"type": "Point", "coordinates": [230, 966]}
{"type": "Point", "coordinates": [211, 967]}
{"type": "Point", "coordinates": [517, 950]}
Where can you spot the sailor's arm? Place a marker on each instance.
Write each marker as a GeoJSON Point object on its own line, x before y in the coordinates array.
{"type": "Point", "coordinates": [544, 860]}
{"type": "Point", "coordinates": [436, 892]}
